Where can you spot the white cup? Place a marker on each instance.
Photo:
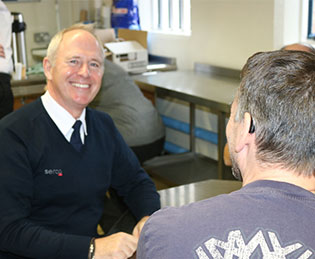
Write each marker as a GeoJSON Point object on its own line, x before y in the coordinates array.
{"type": "Point", "coordinates": [17, 74]}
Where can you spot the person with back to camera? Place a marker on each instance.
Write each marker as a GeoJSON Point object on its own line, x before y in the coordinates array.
{"type": "Point", "coordinates": [134, 115]}
{"type": "Point", "coordinates": [58, 158]}
{"type": "Point", "coordinates": [295, 46]}
{"type": "Point", "coordinates": [272, 143]}
{"type": "Point", "coordinates": [6, 64]}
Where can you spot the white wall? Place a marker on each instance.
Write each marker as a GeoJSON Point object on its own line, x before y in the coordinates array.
{"type": "Point", "coordinates": [224, 33]}
{"type": "Point", "coordinates": [290, 23]}
{"type": "Point", "coordinates": [227, 32]}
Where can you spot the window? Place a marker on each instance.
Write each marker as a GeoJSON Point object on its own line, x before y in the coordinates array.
{"type": "Point", "coordinates": [166, 16]}
{"type": "Point", "coordinates": [311, 20]}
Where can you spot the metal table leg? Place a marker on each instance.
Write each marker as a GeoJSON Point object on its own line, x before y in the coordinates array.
{"type": "Point", "coordinates": [192, 127]}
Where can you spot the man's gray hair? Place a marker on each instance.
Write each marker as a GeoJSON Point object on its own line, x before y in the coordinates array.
{"type": "Point", "coordinates": [277, 89]}
{"type": "Point", "coordinates": [56, 40]}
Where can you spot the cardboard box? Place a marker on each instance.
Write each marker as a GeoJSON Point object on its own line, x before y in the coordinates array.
{"type": "Point", "coordinates": [139, 36]}
{"type": "Point", "coordinates": [130, 52]}
{"type": "Point", "coordinates": [130, 55]}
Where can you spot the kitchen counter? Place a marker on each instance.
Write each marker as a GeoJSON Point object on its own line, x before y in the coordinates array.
{"type": "Point", "coordinates": [33, 85]}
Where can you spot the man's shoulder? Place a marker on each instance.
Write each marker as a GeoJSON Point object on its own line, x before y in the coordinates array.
{"type": "Point", "coordinates": [172, 231]}
{"type": "Point", "coordinates": [172, 217]}
{"type": "Point", "coordinates": [23, 116]}
{"type": "Point", "coordinates": [24, 125]}
{"type": "Point", "coordinates": [170, 221]}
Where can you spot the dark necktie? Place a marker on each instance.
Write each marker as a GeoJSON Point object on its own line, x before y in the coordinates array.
{"type": "Point", "coordinates": [75, 137]}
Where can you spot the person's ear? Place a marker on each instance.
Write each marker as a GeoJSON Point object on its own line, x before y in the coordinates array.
{"type": "Point", "coordinates": [47, 68]}
{"type": "Point", "coordinates": [245, 133]}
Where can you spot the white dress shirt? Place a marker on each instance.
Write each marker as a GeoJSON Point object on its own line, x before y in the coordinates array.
{"type": "Point", "coordinates": [62, 118]}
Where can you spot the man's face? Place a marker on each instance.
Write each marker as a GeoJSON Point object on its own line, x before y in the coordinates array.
{"type": "Point", "coordinates": [231, 137]}
{"type": "Point", "coordinates": [76, 76]}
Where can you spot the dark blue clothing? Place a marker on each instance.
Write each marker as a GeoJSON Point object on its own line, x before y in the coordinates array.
{"type": "Point", "coordinates": [264, 219]}
{"type": "Point", "coordinates": [52, 195]}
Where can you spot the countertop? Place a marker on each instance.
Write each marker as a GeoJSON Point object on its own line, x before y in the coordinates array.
{"type": "Point", "coordinates": [33, 85]}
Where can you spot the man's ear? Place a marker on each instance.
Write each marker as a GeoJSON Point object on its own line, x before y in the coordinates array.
{"type": "Point", "coordinates": [244, 134]}
{"type": "Point", "coordinates": [47, 68]}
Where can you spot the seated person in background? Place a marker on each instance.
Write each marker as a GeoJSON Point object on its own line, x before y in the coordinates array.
{"type": "Point", "coordinates": [295, 46]}
{"type": "Point", "coordinates": [54, 176]}
{"type": "Point", "coordinates": [272, 143]}
{"type": "Point", "coordinates": [134, 115]}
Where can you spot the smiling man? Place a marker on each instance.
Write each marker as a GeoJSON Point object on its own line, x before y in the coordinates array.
{"type": "Point", "coordinates": [74, 73]}
{"type": "Point", "coordinates": [59, 158]}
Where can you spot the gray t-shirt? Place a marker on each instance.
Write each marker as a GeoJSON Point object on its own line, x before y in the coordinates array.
{"type": "Point", "coordinates": [134, 115]}
{"type": "Point", "coordinates": [264, 219]}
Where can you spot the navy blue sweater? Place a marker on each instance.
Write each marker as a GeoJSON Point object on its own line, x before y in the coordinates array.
{"type": "Point", "coordinates": [51, 196]}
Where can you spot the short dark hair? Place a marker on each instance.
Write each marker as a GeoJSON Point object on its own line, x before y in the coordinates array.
{"type": "Point", "coordinates": [277, 89]}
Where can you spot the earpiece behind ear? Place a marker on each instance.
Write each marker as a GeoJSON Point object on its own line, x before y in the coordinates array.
{"type": "Point", "coordinates": [252, 126]}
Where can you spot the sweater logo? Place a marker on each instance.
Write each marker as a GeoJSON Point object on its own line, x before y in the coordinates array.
{"type": "Point", "coordinates": [236, 247]}
{"type": "Point", "coordinates": [57, 172]}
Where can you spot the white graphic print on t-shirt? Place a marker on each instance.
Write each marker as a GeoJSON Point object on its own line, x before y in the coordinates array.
{"type": "Point", "coordinates": [235, 247]}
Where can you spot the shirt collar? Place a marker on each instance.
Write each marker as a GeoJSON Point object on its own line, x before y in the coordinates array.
{"type": "Point", "coordinates": [61, 117]}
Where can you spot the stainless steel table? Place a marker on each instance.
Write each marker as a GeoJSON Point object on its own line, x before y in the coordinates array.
{"type": "Point", "coordinates": [188, 193]}
{"type": "Point", "coordinates": [197, 88]}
